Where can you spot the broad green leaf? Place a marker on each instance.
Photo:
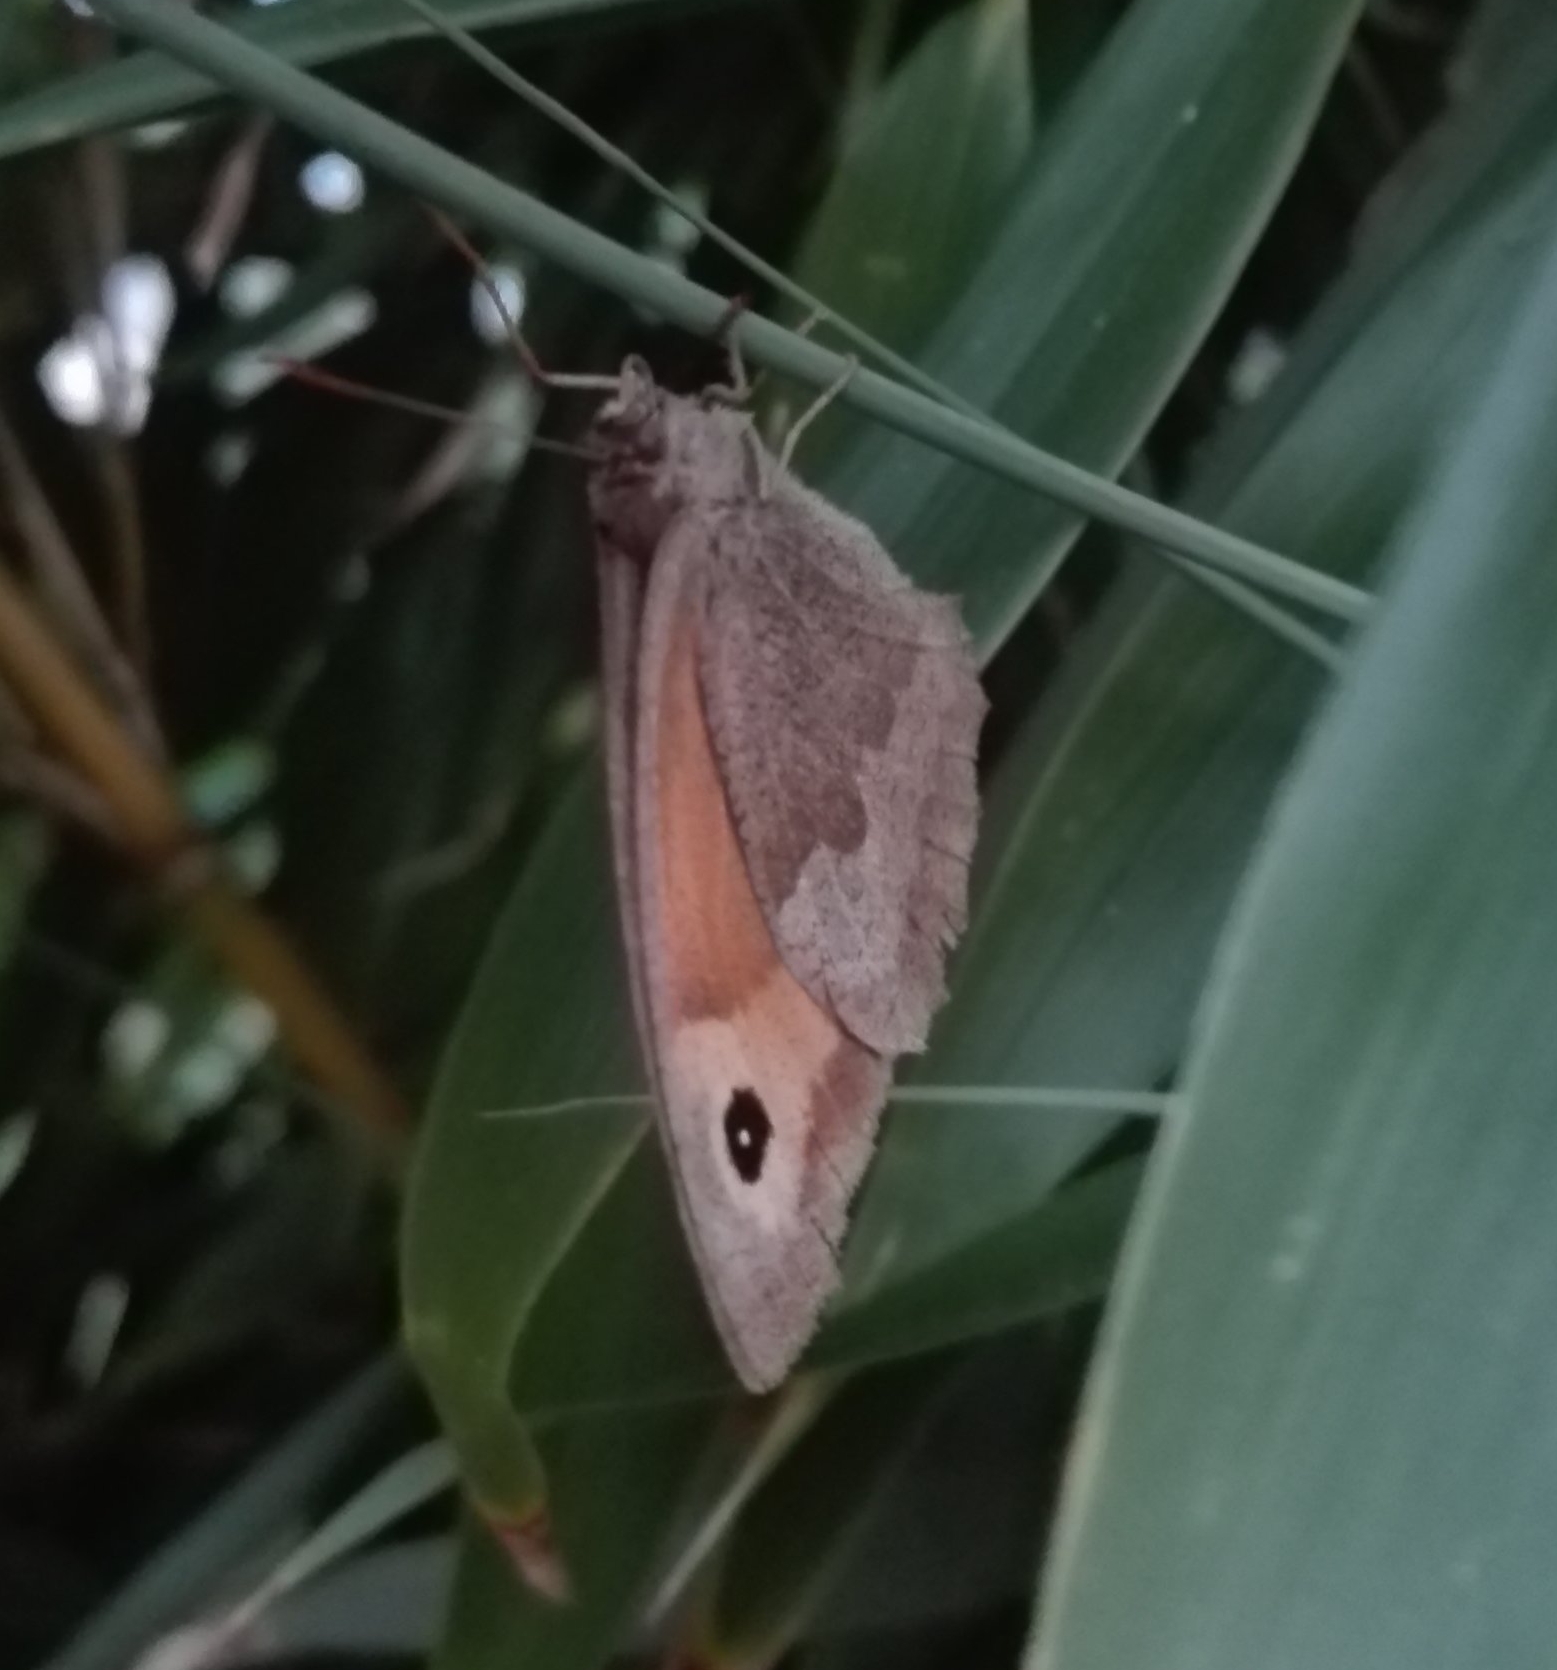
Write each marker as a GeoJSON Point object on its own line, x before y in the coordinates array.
{"type": "Point", "coordinates": [1064, 41]}
{"type": "Point", "coordinates": [1116, 255]}
{"type": "Point", "coordinates": [1317, 1430]}
{"type": "Point", "coordinates": [1123, 818]}
{"type": "Point", "coordinates": [619, 1483]}
{"type": "Point", "coordinates": [493, 1204]}
{"type": "Point", "coordinates": [809, 1515]}
{"type": "Point", "coordinates": [409, 728]}
{"type": "Point", "coordinates": [789, 1548]}
{"type": "Point", "coordinates": [1497, 35]}
{"type": "Point", "coordinates": [1486, 143]}
{"type": "Point", "coordinates": [927, 164]}
{"type": "Point", "coordinates": [1055, 1255]}
{"type": "Point", "coordinates": [147, 85]}
{"type": "Point", "coordinates": [955, 1531]}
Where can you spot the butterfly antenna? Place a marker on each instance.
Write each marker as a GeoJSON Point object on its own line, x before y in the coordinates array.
{"type": "Point", "coordinates": [613, 156]}
{"type": "Point", "coordinates": [351, 388]}
{"type": "Point", "coordinates": [1235, 592]}
{"type": "Point", "coordinates": [523, 352]}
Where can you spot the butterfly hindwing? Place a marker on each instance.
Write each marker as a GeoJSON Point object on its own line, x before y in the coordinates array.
{"type": "Point", "coordinates": [770, 1106]}
{"type": "Point", "coordinates": [845, 707]}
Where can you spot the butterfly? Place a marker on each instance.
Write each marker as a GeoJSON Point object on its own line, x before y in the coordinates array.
{"type": "Point", "coordinates": [791, 740]}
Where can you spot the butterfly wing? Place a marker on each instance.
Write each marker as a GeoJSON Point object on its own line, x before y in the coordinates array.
{"type": "Point", "coordinates": [844, 708]}
{"type": "Point", "coordinates": [769, 1106]}
{"type": "Point", "coordinates": [620, 581]}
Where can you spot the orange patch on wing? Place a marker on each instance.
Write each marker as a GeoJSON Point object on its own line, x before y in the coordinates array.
{"type": "Point", "coordinates": [851, 1078]}
{"type": "Point", "coordinates": [719, 953]}
{"type": "Point", "coordinates": [738, 1017]}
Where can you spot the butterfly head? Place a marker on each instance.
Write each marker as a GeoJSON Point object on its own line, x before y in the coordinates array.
{"type": "Point", "coordinates": [657, 454]}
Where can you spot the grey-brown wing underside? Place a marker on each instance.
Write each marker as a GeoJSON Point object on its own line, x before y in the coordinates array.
{"type": "Point", "coordinates": [844, 708]}
{"type": "Point", "coordinates": [620, 582]}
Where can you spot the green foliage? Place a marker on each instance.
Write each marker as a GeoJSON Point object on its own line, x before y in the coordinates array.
{"type": "Point", "coordinates": [1317, 910]}
{"type": "Point", "coordinates": [1331, 1331]}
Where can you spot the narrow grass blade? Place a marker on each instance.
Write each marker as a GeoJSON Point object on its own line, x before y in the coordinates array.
{"type": "Point", "coordinates": [464, 190]}
{"type": "Point", "coordinates": [146, 85]}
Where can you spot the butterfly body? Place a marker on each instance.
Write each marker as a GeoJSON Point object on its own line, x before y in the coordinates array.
{"type": "Point", "coordinates": [790, 748]}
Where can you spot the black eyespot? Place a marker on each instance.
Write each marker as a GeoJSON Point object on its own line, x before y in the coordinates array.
{"type": "Point", "coordinates": [747, 1131]}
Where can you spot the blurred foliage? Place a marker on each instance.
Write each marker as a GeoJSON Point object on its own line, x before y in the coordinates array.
{"type": "Point", "coordinates": [1279, 264]}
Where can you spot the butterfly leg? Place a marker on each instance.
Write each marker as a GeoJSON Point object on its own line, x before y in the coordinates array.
{"type": "Point", "coordinates": [742, 387]}
{"type": "Point", "coordinates": [737, 392]}
{"type": "Point", "coordinates": [815, 410]}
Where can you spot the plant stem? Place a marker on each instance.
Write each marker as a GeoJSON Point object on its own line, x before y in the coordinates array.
{"type": "Point", "coordinates": [460, 188]}
{"type": "Point", "coordinates": [153, 826]}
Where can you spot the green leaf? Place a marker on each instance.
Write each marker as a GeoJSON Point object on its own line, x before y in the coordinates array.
{"type": "Point", "coordinates": [1053, 1255]}
{"type": "Point", "coordinates": [906, 213]}
{"type": "Point", "coordinates": [620, 1481]}
{"type": "Point", "coordinates": [29, 45]}
{"type": "Point", "coordinates": [388, 1601]}
{"type": "Point", "coordinates": [1123, 818]}
{"type": "Point", "coordinates": [190, 1572]}
{"type": "Point", "coordinates": [412, 1479]}
{"type": "Point", "coordinates": [1472, 159]}
{"type": "Point", "coordinates": [803, 1528]}
{"type": "Point", "coordinates": [1316, 1433]}
{"type": "Point", "coordinates": [407, 1483]}
{"type": "Point", "coordinates": [1498, 34]}
{"type": "Point", "coordinates": [956, 1529]}
{"type": "Point", "coordinates": [493, 1204]}
{"type": "Point", "coordinates": [929, 162]}
{"type": "Point", "coordinates": [25, 849]}
{"type": "Point", "coordinates": [437, 749]}
{"type": "Point", "coordinates": [803, 1523]}
{"type": "Point", "coordinates": [1056, 1255]}
{"type": "Point", "coordinates": [148, 85]}
{"type": "Point", "coordinates": [1116, 255]}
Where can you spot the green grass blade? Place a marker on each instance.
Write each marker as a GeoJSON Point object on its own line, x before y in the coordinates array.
{"type": "Point", "coordinates": [146, 85]}
{"type": "Point", "coordinates": [804, 1522]}
{"type": "Point", "coordinates": [811, 306]}
{"type": "Point", "coordinates": [196, 1568]}
{"type": "Point", "coordinates": [1057, 1255]}
{"type": "Point", "coordinates": [467, 191]}
{"type": "Point", "coordinates": [911, 203]}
